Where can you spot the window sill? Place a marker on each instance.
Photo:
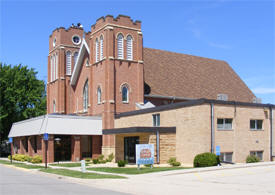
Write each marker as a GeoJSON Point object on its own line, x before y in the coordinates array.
{"type": "Point", "coordinates": [256, 129]}
{"type": "Point", "coordinates": [125, 102]}
{"type": "Point", "coordinates": [225, 129]}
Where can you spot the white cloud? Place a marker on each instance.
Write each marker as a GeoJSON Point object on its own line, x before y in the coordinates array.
{"type": "Point", "coordinates": [263, 90]}
{"type": "Point", "coordinates": [218, 45]}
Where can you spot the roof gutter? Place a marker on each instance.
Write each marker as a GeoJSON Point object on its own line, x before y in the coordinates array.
{"type": "Point", "coordinates": [168, 97]}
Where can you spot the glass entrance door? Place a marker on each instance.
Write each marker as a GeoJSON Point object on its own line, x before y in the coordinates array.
{"type": "Point", "coordinates": [130, 148]}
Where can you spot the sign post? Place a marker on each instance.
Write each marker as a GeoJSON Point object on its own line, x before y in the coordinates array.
{"type": "Point", "coordinates": [144, 154]}
{"type": "Point", "coordinates": [10, 141]}
{"type": "Point", "coordinates": [46, 138]}
{"type": "Point", "coordinates": [218, 153]}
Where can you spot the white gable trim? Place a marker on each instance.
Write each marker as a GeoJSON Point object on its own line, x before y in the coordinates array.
{"type": "Point", "coordinates": [83, 48]}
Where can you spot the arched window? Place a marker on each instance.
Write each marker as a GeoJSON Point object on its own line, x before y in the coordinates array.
{"type": "Point", "coordinates": [56, 66]}
{"type": "Point", "coordinates": [96, 50]}
{"type": "Point", "coordinates": [85, 96]}
{"type": "Point", "coordinates": [129, 45]}
{"type": "Point", "coordinates": [51, 68]}
{"type": "Point", "coordinates": [101, 48]}
{"type": "Point", "coordinates": [68, 63]}
{"type": "Point", "coordinates": [75, 57]}
{"type": "Point", "coordinates": [54, 106]}
{"type": "Point", "coordinates": [98, 95]}
{"type": "Point", "coordinates": [120, 47]}
{"type": "Point", "coordinates": [125, 94]}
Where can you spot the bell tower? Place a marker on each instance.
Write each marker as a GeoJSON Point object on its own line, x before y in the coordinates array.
{"type": "Point", "coordinates": [64, 46]}
{"type": "Point", "coordinates": [116, 46]}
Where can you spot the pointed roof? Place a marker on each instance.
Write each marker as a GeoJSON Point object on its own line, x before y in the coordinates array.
{"type": "Point", "coordinates": [175, 74]}
{"type": "Point", "coordinates": [83, 49]}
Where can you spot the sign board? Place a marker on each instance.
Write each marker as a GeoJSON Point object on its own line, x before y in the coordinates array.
{"type": "Point", "coordinates": [46, 136]}
{"type": "Point", "coordinates": [10, 140]}
{"type": "Point", "coordinates": [83, 166]}
{"type": "Point", "coordinates": [218, 150]}
{"type": "Point", "coordinates": [144, 154]}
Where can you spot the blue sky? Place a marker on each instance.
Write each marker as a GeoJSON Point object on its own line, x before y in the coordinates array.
{"type": "Point", "coordinates": [239, 32]}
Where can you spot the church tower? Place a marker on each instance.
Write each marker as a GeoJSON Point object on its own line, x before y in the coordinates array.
{"type": "Point", "coordinates": [64, 46]}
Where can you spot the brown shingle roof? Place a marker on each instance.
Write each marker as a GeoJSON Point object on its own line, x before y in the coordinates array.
{"type": "Point", "coordinates": [175, 74]}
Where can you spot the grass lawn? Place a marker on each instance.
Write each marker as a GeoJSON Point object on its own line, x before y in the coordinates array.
{"type": "Point", "coordinates": [133, 171]}
{"type": "Point", "coordinates": [68, 165]}
{"type": "Point", "coordinates": [78, 174]}
{"type": "Point", "coordinates": [22, 165]}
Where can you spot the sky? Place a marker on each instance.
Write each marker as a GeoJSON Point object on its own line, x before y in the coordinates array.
{"type": "Point", "coordinates": [240, 32]}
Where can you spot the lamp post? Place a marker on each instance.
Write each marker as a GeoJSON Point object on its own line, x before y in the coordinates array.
{"type": "Point", "coordinates": [58, 142]}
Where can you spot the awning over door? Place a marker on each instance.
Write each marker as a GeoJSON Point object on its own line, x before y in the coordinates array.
{"type": "Point", "coordinates": [58, 124]}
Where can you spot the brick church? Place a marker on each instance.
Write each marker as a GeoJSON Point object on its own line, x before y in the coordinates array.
{"type": "Point", "coordinates": [97, 78]}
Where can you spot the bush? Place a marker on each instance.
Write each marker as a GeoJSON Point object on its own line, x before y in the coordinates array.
{"type": "Point", "coordinates": [252, 159]}
{"type": "Point", "coordinates": [173, 162]}
{"type": "Point", "coordinates": [9, 157]}
{"type": "Point", "coordinates": [36, 159]}
{"type": "Point", "coordinates": [19, 157]}
{"type": "Point", "coordinates": [205, 160]}
{"type": "Point", "coordinates": [88, 160]}
{"type": "Point", "coordinates": [122, 163]}
{"type": "Point", "coordinates": [28, 158]}
{"type": "Point", "coordinates": [95, 161]}
{"type": "Point", "coordinates": [110, 158]}
{"type": "Point", "coordinates": [101, 157]}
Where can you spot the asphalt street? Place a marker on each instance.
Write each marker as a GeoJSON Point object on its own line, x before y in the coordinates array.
{"type": "Point", "coordinates": [19, 181]}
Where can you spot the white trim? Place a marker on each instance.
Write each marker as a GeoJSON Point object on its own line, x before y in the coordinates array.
{"type": "Point", "coordinates": [83, 48]}
{"type": "Point", "coordinates": [76, 35]}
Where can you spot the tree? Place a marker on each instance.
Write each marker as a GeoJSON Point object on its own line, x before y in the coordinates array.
{"type": "Point", "coordinates": [22, 96]}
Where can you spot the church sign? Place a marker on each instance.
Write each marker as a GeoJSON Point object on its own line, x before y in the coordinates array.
{"type": "Point", "coordinates": [144, 154]}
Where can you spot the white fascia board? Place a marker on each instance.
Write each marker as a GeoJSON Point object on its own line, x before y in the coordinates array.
{"type": "Point", "coordinates": [83, 48]}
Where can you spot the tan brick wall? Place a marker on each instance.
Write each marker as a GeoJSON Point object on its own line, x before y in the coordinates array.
{"type": "Point", "coordinates": [193, 130]}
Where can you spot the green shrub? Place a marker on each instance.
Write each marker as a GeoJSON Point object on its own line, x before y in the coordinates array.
{"type": "Point", "coordinates": [252, 159]}
{"type": "Point", "coordinates": [36, 159]}
{"type": "Point", "coordinates": [148, 165]}
{"type": "Point", "coordinates": [122, 163]}
{"type": "Point", "coordinates": [110, 158]}
{"type": "Point", "coordinates": [205, 160]}
{"type": "Point", "coordinates": [95, 161]}
{"type": "Point", "coordinates": [28, 158]}
{"type": "Point", "coordinates": [173, 162]}
{"type": "Point", "coordinates": [102, 161]}
{"type": "Point", "coordinates": [101, 157]}
{"type": "Point", "coordinates": [9, 157]}
{"type": "Point", "coordinates": [88, 160]}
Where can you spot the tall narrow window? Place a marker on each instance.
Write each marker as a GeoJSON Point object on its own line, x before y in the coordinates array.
{"type": "Point", "coordinates": [125, 94]}
{"type": "Point", "coordinates": [54, 107]}
{"type": "Point", "coordinates": [129, 44]}
{"type": "Point", "coordinates": [75, 57]}
{"type": "Point", "coordinates": [85, 96]}
{"type": "Point", "coordinates": [98, 95]}
{"type": "Point", "coordinates": [51, 61]}
{"type": "Point", "coordinates": [101, 48]}
{"type": "Point", "coordinates": [156, 120]}
{"type": "Point", "coordinates": [68, 63]}
{"type": "Point", "coordinates": [96, 50]}
{"type": "Point", "coordinates": [120, 46]}
{"type": "Point", "coordinates": [56, 66]}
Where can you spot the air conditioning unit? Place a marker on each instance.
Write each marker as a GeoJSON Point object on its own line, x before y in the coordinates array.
{"type": "Point", "coordinates": [223, 97]}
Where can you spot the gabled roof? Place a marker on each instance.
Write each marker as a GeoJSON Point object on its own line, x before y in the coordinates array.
{"type": "Point", "coordinates": [83, 49]}
{"type": "Point", "coordinates": [58, 124]}
{"type": "Point", "coordinates": [175, 74]}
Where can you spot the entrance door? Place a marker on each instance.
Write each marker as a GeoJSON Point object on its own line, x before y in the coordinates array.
{"type": "Point", "coordinates": [130, 148]}
{"type": "Point", "coordinates": [62, 148]}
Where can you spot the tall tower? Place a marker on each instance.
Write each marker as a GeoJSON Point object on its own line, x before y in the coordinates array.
{"type": "Point", "coordinates": [64, 45]}
{"type": "Point", "coordinates": [116, 47]}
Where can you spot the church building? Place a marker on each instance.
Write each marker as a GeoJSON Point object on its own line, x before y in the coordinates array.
{"type": "Point", "coordinates": [106, 93]}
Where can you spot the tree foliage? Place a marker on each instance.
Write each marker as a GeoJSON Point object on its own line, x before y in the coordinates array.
{"type": "Point", "coordinates": [22, 96]}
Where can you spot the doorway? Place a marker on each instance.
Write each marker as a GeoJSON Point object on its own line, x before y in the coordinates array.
{"type": "Point", "coordinates": [62, 148]}
{"type": "Point", "coordinates": [130, 148]}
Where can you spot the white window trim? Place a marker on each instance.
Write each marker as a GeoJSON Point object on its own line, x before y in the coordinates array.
{"type": "Point", "coordinates": [101, 48]}
{"type": "Point", "coordinates": [99, 95]}
{"type": "Point", "coordinates": [157, 117]}
{"type": "Point", "coordinates": [85, 96]}
{"type": "Point", "coordinates": [223, 128]}
{"type": "Point", "coordinates": [68, 66]}
{"type": "Point", "coordinates": [120, 46]}
{"type": "Point", "coordinates": [129, 47]}
{"type": "Point", "coordinates": [75, 35]}
{"type": "Point", "coordinates": [128, 90]}
{"type": "Point", "coordinates": [256, 120]}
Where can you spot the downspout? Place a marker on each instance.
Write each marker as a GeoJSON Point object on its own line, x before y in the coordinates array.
{"type": "Point", "coordinates": [271, 132]}
{"type": "Point", "coordinates": [212, 127]}
{"type": "Point", "coordinates": [157, 135]}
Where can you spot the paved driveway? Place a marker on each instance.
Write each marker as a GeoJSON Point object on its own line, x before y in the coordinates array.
{"type": "Point", "coordinates": [25, 182]}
